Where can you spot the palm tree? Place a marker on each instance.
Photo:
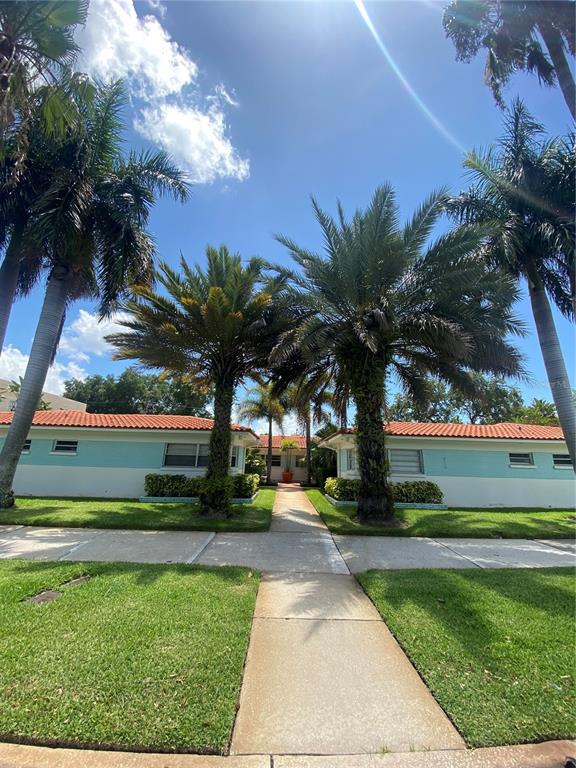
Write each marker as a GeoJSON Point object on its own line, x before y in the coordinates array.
{"type": "Point", "coordinates": [378, 301]}
{"type": "Point", "coordinates": [91, 224]}
{"type": "Point", "coordinates": [524, 189]}
{"type": "Point", "coordinates": [510, 30]}
{"type": "Point", "coordinates": [309, 399]}
{"type": "Point", "coordinates": [260, 403]}
{"type": "Point", "coordinates": [216, 326]}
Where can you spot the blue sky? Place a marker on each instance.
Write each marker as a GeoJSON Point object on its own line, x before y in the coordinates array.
{"type": "Point", "coordinates": [268, 103]}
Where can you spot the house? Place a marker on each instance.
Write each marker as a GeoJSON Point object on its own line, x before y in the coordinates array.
{"type": "Point", "coordinates": [497, 465]}
{"type": "Point", "coordinates": [73, 453]}
{"type": "Point", "coordinates": [281, 460]}
{"type": "Point", "coordinates": [56, 402]}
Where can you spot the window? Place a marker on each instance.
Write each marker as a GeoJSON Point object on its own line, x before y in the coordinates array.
{"type": "Point", "coordinates": [405, 462]}
{"type": "Point", "coordinates": [350, 460]}
{"type": "Point", "coordinates": [65, 446]}
{"type": "Point", "coordinates": [186, 455]}
{"type": "Point", "coordinates": [521, 459]}
{"type": "Point", "coordinates": [234, 456]}
{"type": "Point", "coordinates": [562, 460]}
{"type": "Point", "coordinates": [26, 447]}
{"type": "Point", "coordinates": [276, 460]}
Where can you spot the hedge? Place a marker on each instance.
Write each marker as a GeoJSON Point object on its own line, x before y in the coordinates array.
{"type": "Point", "coordinates": [411, 492]}
{"type": "Point", "coordinates": [242, 486]}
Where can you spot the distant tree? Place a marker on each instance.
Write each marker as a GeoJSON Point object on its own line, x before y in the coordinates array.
{"type": "Point", "coordinates": [495, 402]}
{"type": "Point", "coordinates": [437, 404]}
{"type": "Point", "coordinates": [134, 392]}
{"type": "Point", "coordinates": [14, 389]}
{"type": "Point", "coordinates": [538, 412]}
{"type": "Point", "coordinates": [254, 462]}
{"type": "Point", "coordinates": [260, 403]}
{"type": "Point", "coordinates": [511, 32]}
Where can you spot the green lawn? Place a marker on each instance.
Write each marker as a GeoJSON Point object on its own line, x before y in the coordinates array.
{"type": "Point", "coordinates": [456, 523]}
{"type": "Point", "coordinates": [140, 656]}
{"type": "Point", "coordinates": [104, 513]}
{"type": "Point", "coordinates": [495, 647]}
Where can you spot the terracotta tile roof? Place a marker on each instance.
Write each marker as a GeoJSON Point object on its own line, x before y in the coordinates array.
{"type": "Point", "coordinates": [277, 440]}
{"type": "Point", "coordinates": [119, 421]}
{"type": "Point", "coordinates": [503, 431]}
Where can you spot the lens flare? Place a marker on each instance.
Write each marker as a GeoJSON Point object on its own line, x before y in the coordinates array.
{"type": "Point", "coordinates": [400, 75]}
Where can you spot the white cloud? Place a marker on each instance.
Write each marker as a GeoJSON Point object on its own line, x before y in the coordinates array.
{"type": "Point", "coordinates": [84, 337]}
{"type": "Point", "coordinates": [13, 364]}
{"type": "Point", "coordinates": [117, 43]}
{"type": "Point", "coordinates": [195, 138]}
{"type": "Point", "coordinates": [158, 7]}
{"type": "Point", "coordinates": [170, 108]}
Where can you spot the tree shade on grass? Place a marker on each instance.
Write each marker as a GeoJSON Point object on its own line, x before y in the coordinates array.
{"type": "Point", "coordinates": [521, 523]}
{"type": "Point", "coordinates": [493, 646]}
{"type": "Point", "coordinates": [140, 657]}
{"type": "Point", "coordinates": [135, 515]}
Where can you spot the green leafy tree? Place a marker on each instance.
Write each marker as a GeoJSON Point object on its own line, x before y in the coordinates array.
{"type": "Point", "coordinates": [377, 300]}
{"type": "Point", "coordinates": [261, 403]}
{"type": "Point", "coordinates": [215, 325]}
{"type": "Point", "coordinates": [134, 392]}
{"type": "Point", "coordinates": [538, 412]}
{"type": "Point", "coordinates": [524, 189]}
{"type": "Point", "coordinates": [14, 388]}
{"type": "Point", "coordinates": [91, 227]}
{"type": "Point", "coordinates": [435, 404]}
{"type": "Point", "coordinates": [511, 31]}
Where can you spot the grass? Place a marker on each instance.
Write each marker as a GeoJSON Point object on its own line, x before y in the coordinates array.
{"type": "Point", "coordinates": [495, 647]}
{"type": "Point", "coordinates": [455, 523]}
{"type": "Point", "coordinates": [139, 657]}
{"type": "Point", "coordinates": [131, 514]}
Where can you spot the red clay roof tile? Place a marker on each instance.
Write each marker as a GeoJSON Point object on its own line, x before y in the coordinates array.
{"type": "Point", "coordinates": [277, 440]}
{"type": "Point", "coordinates": [503, 431]}
{"type": "Point", "coordinates": [119, 421]}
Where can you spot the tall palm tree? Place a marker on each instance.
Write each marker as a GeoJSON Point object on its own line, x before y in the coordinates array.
{"type": "Point", "coordinates": [260, 403]}
{"type": "Point", "coordinates": [215, 325]}
{"type": "Point", "coordinates": [37, 49]}
{"type": "Point", "coordinates": [524, 189]}
{"type": "Point", "coordinates": [377, 300]}
{"type": "Point", "coordinates": [309, 400]}
{"type": "Point", "coordinates": [510, 31]}
{"type": "Point", "coordinates": [91, 225]}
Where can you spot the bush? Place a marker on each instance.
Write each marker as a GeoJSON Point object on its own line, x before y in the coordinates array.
{"type": "Point", "coordinates": [216, 494]}
{"type": "Point", "coordinates": [245, 486]}
{"type": "Point", "coordinates": [410, 492]}
{"type": "Point", "coordinates": [172, 485]}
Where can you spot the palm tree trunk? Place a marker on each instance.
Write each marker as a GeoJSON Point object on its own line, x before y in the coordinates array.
{"type": "Point", "coordinates": [308, 449]}
{"type": "Point", "coordinates": [555, 366]}
{"type": "Point", "coordinates": [216, 495]}
{"type": "Point", "coordinates": [269, 453]}
{"type": "Point", "coordinates": [41, 355]}
{"type": "Point", "coordinates": [555, 45]}
{"type": "Point", "coordinates": [375, 503]}
{"type": "Point", "coordinates": [9, 282]}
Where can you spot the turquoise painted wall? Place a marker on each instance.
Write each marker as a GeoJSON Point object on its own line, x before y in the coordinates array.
{"type": "Point", "coordinates": [440, 462]}
{"type": "Point", "coordinates": [97, 453]}
{"type": "Point", "coordinates": [103, 453]}
{"type": "Point", "coordinates": [453, 463]}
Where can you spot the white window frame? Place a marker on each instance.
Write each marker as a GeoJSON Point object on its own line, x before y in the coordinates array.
{"type": "Point", "coordinates": [66, 452]}
{"type": "Point", "coordinates": [276, 459]}
{"type": "Point", "coordinates": [350, 459]}
{"type": "Point", "coordinates": [521, 465]}
{"type": "Point", "coordinates": [562, 464]}
{"type": "Point", "coordinates": [26, 447]}
{"type": "Point", "coordinates": [418, 455]}
{"type": "Point", "coordinates": [234, 455]}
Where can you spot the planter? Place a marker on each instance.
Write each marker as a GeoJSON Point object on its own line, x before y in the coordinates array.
{"type": "Point", "coordinates": [287, 476]}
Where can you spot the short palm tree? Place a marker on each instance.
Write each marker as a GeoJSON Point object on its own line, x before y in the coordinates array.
{"type": "Point", "coordinates": [378, 300]}
{"type": "Point", "coordinates": [90, 225]}
{"type": "Point", "coordinates": [216, 326]}
{"type": "Point", "coordinates": [310, 402]}
{"type": "Point", "coordinates": [524, 189]}
{"type": "Point", "coordinates": [260, 403]}
{"type": "Point", "coordinates": [510, 31]}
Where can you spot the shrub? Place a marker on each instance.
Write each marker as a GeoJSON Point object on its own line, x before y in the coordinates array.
{"type": "Point", "coordinates": [171, 485]}
{"type": "Point", "coordinates": [216, 493]}
{"type": "Point", "coordinates": [245, 486]}
{"type": "Point", "coordinates": [410, 492]}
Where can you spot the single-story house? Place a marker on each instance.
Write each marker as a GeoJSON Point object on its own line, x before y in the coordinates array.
{"type": "Point", "coordinates": [281, 460]}
{"type": "Point", "coordinates": [497, 465]}
{"type": "Point", "coordinates": [73, 453]}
